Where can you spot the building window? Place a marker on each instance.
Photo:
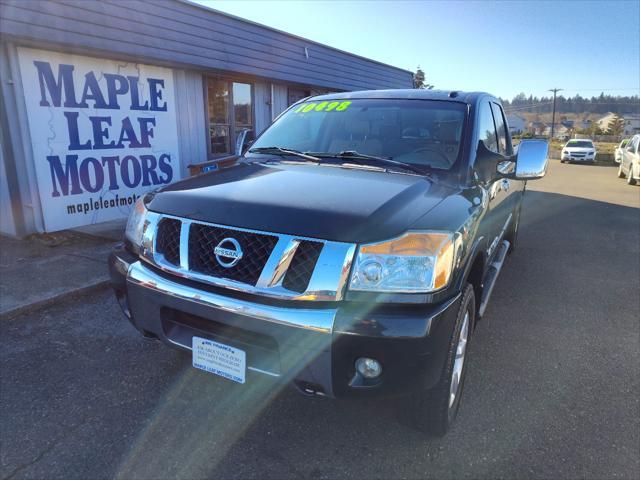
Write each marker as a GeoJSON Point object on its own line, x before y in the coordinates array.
{"type": "Point", "coordinates": [230, 111]}
{"type": "Point", "coordinates": [297, 94]}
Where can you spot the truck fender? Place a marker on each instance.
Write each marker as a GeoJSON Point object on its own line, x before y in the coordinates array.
{"type": "Point", "coordinates": [476, 253]}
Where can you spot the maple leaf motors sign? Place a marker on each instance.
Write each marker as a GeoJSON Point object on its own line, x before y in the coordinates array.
{"type": "Point", "coordinates": [103, 133]}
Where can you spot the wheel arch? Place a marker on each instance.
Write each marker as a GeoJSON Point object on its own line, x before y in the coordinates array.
{"type": "Point", "coordinates": [473, 272]}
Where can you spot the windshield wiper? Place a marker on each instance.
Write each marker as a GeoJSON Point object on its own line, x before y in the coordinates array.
{"type": "Point", "coordinates": [353, 155]}
{"type": "Point", "coordinates": [284, 152]}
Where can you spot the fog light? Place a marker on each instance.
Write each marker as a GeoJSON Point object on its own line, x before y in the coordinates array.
{"type": "Point", "coordinates": [368, 367]}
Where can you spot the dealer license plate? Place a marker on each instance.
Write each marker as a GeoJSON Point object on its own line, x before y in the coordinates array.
{"type": "Point", "coordinates": [220, 359]}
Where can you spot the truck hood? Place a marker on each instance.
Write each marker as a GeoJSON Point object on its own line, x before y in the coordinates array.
{"type": "Point", "coordinates": [324, 202]}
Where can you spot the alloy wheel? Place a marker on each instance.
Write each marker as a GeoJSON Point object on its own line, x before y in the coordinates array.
{"type": "Point", "coordinates": [458, 364]}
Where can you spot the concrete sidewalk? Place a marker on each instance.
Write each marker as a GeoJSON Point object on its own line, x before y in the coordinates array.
{"type": "Point", "coordinates": [45, 269]}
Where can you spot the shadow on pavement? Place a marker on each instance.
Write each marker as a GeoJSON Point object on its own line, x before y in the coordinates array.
{"type": "Point", "coordinates": [596, 164]}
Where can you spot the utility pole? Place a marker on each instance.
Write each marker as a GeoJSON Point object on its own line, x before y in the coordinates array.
{"type": "Point", "coordinates": [553, 115]}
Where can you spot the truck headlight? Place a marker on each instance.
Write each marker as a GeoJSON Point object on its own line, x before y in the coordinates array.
{"type": "Point", "coordinates": [135, 225]}
{"type": "Point", "coordinates": [416, 262]}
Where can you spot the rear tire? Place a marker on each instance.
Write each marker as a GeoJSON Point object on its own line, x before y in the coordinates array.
{"type": "Point", "coordinates": [434, 410]}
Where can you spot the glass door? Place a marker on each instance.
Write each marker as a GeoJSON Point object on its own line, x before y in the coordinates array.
{"type": "Point", "coordinates": [243, 131]}
{"type": "Point", "coordinates": [219, 126]}
{"type": "Point", "coordinates": [230, 114]}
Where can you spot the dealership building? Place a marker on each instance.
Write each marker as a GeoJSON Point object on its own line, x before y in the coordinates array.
{"type": "Point", "coordinates": [101, 101]}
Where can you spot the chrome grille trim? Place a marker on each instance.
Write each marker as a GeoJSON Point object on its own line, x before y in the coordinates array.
{"type": "Point", "coordinates": [328, 280]}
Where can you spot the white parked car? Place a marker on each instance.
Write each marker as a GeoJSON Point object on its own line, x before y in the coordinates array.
{"type": "Point", "coordinates": [579, 150]}
{"type": "Point", "coordinates": [630, 163]}
{"type": "Point", "coordinates": [617, 155]}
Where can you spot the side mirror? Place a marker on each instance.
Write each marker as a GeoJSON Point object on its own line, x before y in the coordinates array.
{"type": "Point", "coordinates": [531, 160]}
{"type": "Point", "coordinates": [244, 138]}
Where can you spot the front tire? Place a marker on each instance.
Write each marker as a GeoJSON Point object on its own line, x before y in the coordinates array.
{"type": "Point", "coordinates": [630, 179]}
{"type": "Point", "coordinates": [620, 172]}
{"type": "Point", "coordinates": [434, 410]}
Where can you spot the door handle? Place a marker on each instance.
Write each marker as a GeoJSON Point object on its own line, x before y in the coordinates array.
{"type": "Point", "coordinates": [506, 185]}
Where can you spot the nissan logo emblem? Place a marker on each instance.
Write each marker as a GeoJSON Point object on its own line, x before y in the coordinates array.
{"type": "Point", "coordinates": [228, 252]}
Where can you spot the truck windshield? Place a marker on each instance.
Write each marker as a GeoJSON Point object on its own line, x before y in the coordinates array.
{"type": "Point", "coordinates": [417, 132]}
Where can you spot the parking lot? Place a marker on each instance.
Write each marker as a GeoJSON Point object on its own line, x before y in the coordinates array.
{"type": "Point", "coordinates": [553, 389]}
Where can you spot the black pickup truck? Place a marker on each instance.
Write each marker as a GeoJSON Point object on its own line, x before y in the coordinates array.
{"type": "Point", "coordinates": [350, 251]}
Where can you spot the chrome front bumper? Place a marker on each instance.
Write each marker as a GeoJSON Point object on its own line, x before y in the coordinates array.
{"type": "Point", "coordinates": [306, 319]}
{"type": "Point", "coordinates": [163, 308]}
{"type": "Point", "coordinates": [571, 158]}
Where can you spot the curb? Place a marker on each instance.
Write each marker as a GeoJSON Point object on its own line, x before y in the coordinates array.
{"type": "Point", "coordinates": [61, 297]}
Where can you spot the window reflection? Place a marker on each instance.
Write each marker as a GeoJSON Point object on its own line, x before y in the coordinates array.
{"type": "Point", "coordinates": [218, 95]}
{"type": "Point", "coordinates": [242, 105]}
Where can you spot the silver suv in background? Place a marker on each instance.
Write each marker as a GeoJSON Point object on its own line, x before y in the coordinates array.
{"type": "Point", "coordinates": [617, 154]}
{"type": "Point", "coordinates": [630, 162]}
{"type": "Point", "coordinates": [579, 150]}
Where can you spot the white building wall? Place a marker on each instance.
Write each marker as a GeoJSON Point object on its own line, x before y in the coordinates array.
{"type": "Point", "coordinates": [7, 222]}
{"type": "Point", "coordinates": [18, 141]}
{"type": "Point", "coordinates": [191, 118]}
{"type": "Point", "coordinates": [262, 107]}
{"type": "Point", "coordinates": [516, 124]}
{"type": "Point", "coordinates": [279, 99]}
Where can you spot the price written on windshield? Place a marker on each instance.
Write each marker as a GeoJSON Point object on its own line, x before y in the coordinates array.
{"type": "Point", "coordinates": [323, 107]}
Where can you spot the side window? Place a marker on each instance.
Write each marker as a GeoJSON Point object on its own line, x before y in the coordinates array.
{"type": "Point", "coordinates": [631, 146]}
{"type": "Point", "coordinates": [487, 128]}
{"type": "Point", "coordinates": [501, 128]}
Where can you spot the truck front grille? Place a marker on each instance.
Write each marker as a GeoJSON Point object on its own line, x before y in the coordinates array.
{"type": "Point", "coordinates": [168, 243]}
{"type": "Point", "coordinates": [276, 265]}
{"type": "Point", "coordinates": [302, 266]}
{"type": "Point", "coordinates": [256, 249]}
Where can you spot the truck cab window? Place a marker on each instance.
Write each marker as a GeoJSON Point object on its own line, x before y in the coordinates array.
{"type": "Point", "coordinates": [501, 129]}
{"type": "Point", "coordinates": [487, 128]}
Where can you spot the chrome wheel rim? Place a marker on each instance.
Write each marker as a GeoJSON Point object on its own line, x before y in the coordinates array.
{"type": "Point", "coordinates": [458, 364]}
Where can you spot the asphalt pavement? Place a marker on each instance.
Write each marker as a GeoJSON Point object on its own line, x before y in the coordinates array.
{"type": "Point", "coordinates": [553, 386]}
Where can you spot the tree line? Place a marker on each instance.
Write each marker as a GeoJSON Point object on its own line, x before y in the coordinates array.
{"type": "Point", "coordinates": [600, 104]}
{"type": "Point", "coordinates": [576, 104]}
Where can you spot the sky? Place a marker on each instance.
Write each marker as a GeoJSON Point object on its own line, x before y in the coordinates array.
{"type": "Point", "coordinates": [504, 48]}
